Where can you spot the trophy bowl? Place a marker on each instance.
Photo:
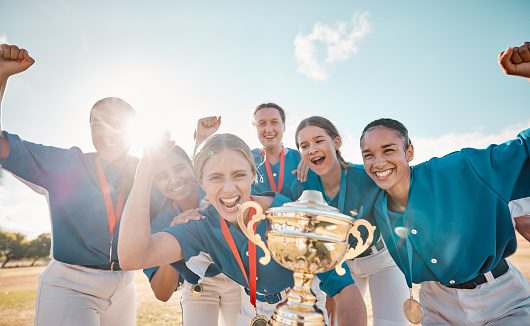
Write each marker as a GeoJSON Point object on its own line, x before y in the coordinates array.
{"type": "Point", "coordinates": [306, 236]}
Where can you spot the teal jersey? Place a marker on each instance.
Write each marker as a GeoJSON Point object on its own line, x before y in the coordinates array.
{"type": "Point", "coordinates": [458, 217]}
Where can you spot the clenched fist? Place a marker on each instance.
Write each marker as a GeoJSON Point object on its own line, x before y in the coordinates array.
{"type": "Point", "coordinates": [13, 60]}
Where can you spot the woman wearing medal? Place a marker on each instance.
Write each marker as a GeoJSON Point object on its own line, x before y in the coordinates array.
{"type": "Point", "coordinates": [277, 166]}
{"type": "Point", "coordinates": [348, 188]}
{"type": "Point", "coordinates": [449, 222]}
{"type": "Point", "coordinates": [217, 298]}
{"type": "Point", "coordinates": [225, 169]}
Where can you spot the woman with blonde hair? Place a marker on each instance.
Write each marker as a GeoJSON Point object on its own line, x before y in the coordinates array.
{"type": "Point", "coordinates": [225, 169]}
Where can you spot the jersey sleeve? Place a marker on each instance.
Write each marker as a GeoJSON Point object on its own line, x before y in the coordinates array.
{"type": "Point", "coordinates": [296, 190]}
{"type": "Point", "coordinates": [191, 245]}
{"type": "Point", "coordinates": [332, 283]}
{"type": "Point", "coordinates": [504, 168]}
{"type": "Point", "coordinates": [41, 165]}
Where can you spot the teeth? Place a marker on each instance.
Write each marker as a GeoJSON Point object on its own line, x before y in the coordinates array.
{"type": "Point", "coordinates": [179, 187]}
{"type": "Point", "coordinates": [269, 137]}
{"type": "Point", "coordinates": [230, 200]}
{"type": "Point", "coordinates": [229, 204]}
{"type": "Point", "coordinates": [317, 160]}
{"type": "Point", "coordinates": [383, 173]}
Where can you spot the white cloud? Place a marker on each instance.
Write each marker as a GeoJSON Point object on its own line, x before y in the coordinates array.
{"type": "Point", "coordinates": [3, 39]}
{"type": "Point", "coordinates": [340, 43]}
{"type": "Point", "coordinates": [426, 148]}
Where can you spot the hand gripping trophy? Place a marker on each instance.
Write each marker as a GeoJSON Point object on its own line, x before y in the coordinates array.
{"type": "Point", "coordinates": [307, 236]}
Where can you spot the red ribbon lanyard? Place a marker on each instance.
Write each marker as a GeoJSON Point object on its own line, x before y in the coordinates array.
{"type": "Point", "coordinates": [113, 216]}
{"type": "Point", "coordinates": [269, 171]}
{"type": "Point", "coordinates": [251, 256]}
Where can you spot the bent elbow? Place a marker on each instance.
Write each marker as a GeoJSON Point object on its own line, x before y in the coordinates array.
{"type": "Point", "coordinates": [128, 263]}
{"type": "Point", "coordinates": [127, 266]}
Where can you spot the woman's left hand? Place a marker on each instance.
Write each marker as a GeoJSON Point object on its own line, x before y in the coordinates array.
{"type": "Point", "coordinates": [185, 217]}
{"type": "Point", "coordinates": [301, 171]}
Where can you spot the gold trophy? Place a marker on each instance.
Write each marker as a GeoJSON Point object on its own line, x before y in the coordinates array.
{"type": "Point", "coordinates": [306, 236]}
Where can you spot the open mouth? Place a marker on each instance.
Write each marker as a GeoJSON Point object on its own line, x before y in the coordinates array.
{"type": "Point", "coordinates": [270, 136]}
{"type": "Point", "coordinates": [383, 174]}
{"type": "Point", "coordinates": [318, 160]}
{"type": "Point", "coordinates": [230, 204]}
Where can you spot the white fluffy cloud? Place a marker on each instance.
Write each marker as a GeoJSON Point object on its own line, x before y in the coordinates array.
{"type": "Point", "coordinates": [339, 43]}
{"type": "Point", "coordinates": [3, 39]}
{"type": "Point", "coordinates": [426, 148]}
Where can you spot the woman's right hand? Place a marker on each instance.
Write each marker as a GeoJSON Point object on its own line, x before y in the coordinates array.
{"type": "Point", "coordinates": [13, 60]}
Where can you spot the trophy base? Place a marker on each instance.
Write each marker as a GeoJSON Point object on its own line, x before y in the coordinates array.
{"type": "Point", "coordinates": [300, 307]}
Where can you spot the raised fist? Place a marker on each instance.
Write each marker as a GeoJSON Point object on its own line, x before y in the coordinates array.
{"type": "Point", "coordinates": [516, 61]}
{"type": "Point", "coordinates": [13, 60]}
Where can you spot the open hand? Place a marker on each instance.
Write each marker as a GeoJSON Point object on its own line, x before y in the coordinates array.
{"type": "Point", "coordinates": [185, 217]}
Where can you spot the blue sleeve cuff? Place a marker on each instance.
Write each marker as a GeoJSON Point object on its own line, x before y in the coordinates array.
{"type": "Point", "coordinates": [150, 271]}
{"type": "Point", "coordinates": [332, 283]}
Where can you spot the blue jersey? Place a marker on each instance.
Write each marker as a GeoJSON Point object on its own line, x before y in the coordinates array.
{"type": "Point", "coordinates": [292, 159]}
{"type": "Point", "coordinates": [458, 219]}
{"type": "Point", "coordinates": [80, 227]}
{"type": "Point", "coordinates": [162, 221]}
{"type": "Point", "coordinates": [360, 194]}
{"type": "Point", "coordinates": [203, 244]}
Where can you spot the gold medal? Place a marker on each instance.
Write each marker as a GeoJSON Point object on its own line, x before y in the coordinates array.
{"type": "Point", "coordinates": [196, 290]}
{"type": "Point", "coordinates": [259, 320]}
{"type": "Point", "coordinates": [413, 310]}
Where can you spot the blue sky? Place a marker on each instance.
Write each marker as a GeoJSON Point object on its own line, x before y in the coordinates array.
{"type": "Point", "coordinates": [431, 65]}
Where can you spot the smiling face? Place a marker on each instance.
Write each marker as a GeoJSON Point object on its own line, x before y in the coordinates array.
{"type": "Point", "coordinates": [269, 127]}
{"type": "Point", "coordinates": [386, 159]}
{"type": "Point", "coordinates": [174, 178]}
{"type": "Point", "coordinates": [318, 149]}
{"type": "Point", "coordinates": [227, 177]}
{"type": "Point", "coordinates": [109, 123]}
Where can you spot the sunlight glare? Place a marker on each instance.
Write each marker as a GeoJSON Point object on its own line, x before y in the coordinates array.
{"type": "Point", "coordinates": [144, 131]}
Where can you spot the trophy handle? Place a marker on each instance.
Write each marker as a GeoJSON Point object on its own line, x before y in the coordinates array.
{"type": "Point", "coordinates": [248, 230]}
{"type": "Point", "coordinates": [360, 247]}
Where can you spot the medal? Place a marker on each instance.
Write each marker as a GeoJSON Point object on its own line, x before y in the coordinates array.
{"type": "Point", "coordinates": [411, 307]}
{"type": "Point", "coordinates": [196, 289]}
{"type": "Point", "coordinates": [413, 310]}
{"type": "Point", "coordinates": [259, 320]}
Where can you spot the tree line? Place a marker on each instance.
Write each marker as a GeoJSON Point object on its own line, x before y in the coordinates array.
{"type": "Point", "coordinates": [15, 246]}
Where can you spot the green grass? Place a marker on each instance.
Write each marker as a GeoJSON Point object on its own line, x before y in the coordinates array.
{"type": "Point", "coordinates": [17, 307]}
{"type": "Point", "coordinates": [18, 291]}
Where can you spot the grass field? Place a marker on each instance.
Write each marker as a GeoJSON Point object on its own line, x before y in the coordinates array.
{"type": "Point", "coordinates": [18, 290]}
